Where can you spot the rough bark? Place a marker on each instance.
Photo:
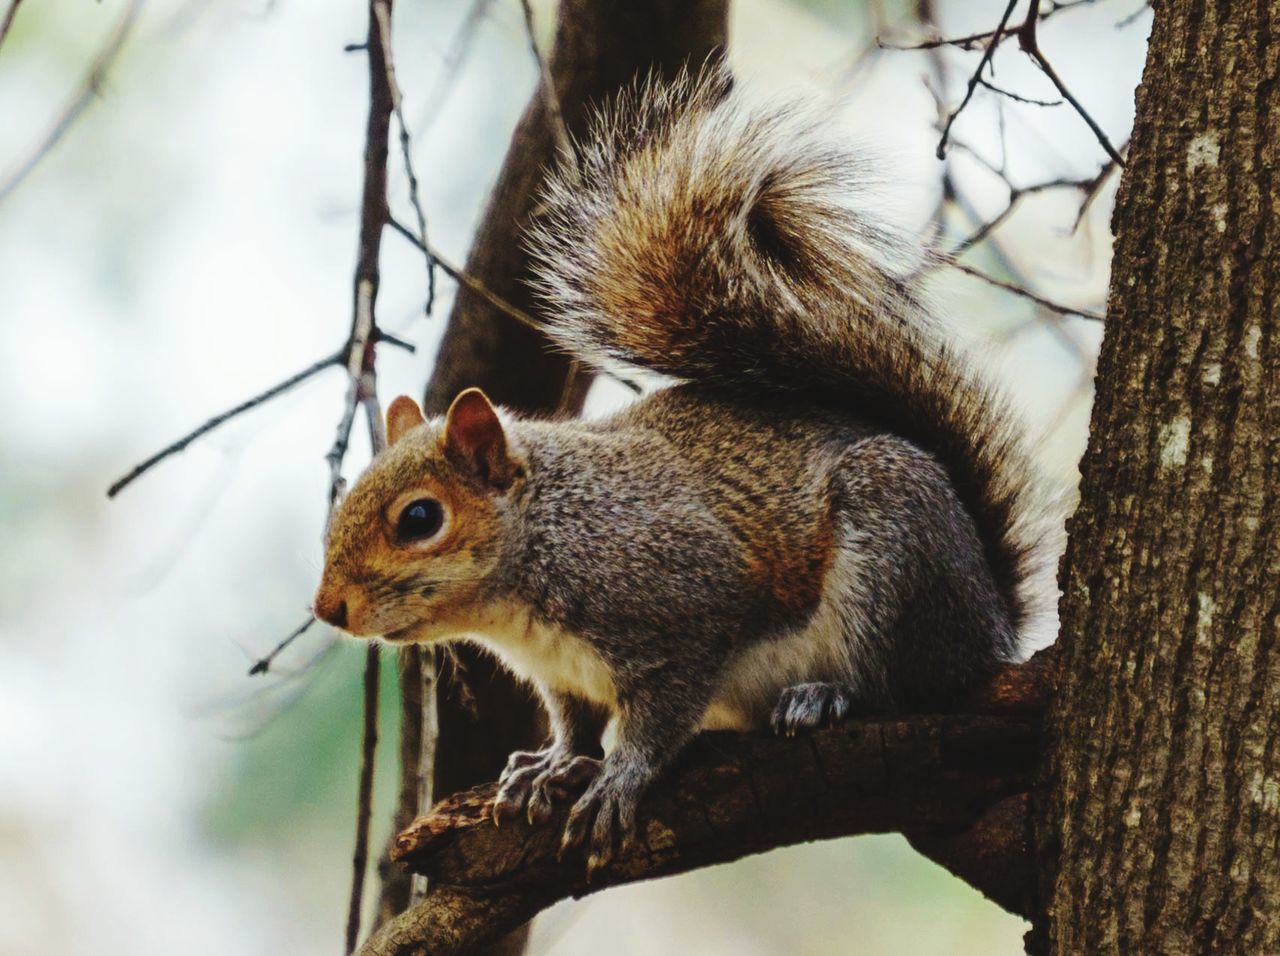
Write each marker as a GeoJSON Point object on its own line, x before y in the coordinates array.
{"type": "Point", "coordinates": [955, 784]}
{"type": "Point", "coordinates": [1159, 805]}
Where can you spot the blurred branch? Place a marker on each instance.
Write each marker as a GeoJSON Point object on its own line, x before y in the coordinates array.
{"type": "Point", "coordinates": [8, 19]}
{"type": "Point", "coordinates": [954, 784]}
{"type": "Point", "coordinates": [89, 88]}
{"type": "Point", "coordinates": [547, 87]}
{"type": "Point", "coordinates": [973, 40]}
{"type": "Point", "coordinates": [364, 799]}
{"type": "Point", "coordinates": [452, 62]}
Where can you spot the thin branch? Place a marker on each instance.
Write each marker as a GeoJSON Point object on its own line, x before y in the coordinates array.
{"type": "Point", "coordinates": [363, 389]}
{"type": "Point", "coordinates": [1093, 188]}
{"type": "Point", "coordinates": [470, 281]}
{"type": "Point", "coordinates": [1016, 97]}
{"type": "Point", "coordinates": [1048, 304]}
{"type": "Point", "coordinates": [547, 88]}
{"type": "Point", "coordinates": [1016, 195]}
{"type": "Point", "coordinates": [499, 303]}
{"type": "Point", "coordinates": [142, 467]}
{"type": "Point", "coordinates": [1030, 44]}
{"type": "Point", "coordinates": [451, 63]}
{"type": "Point", "coordinates": [992, 44]}
{"type": "Point", "coordinates": [262, 665]}
{"type": "Point", "coordinates": [8, 19]}
{"type": "Point", "coordinates": [971, 41]}
{"type": "Point", "coordinates": [1134, 17]}
{"type": "Point", "coordinates": [88, 89]}
{"type": "Point", "coordinates": [383, 14]}
{"type": "Point", "coordinates": [364, 800]}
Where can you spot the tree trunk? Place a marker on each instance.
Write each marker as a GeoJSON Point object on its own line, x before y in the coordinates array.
{"type": "Point", "coordinates": [1159, 804]}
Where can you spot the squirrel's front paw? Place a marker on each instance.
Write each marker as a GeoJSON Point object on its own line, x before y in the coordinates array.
{"type": "Point", "coordinates": [533, 782]}
{"type": "Point", "coordinates": [559, 782]}
{"type": "Point", "coordinates": [812, 707]}
{"type": "Point", "coordinates": [515, 784]}
{"type": "Point", "coordinates": [602, 821]}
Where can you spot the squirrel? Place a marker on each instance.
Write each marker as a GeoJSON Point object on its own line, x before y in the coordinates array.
{"type": "Point", "coordinates": [829, 512]}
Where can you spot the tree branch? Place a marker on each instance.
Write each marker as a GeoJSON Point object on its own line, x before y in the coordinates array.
{"type": "Point", "coordinates": [84, 95]}
{"type": "Point", "coordinates": [955, 784]}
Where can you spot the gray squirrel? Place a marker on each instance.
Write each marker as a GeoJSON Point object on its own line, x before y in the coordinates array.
{"type": "Point", "coordinates": [829, 513]}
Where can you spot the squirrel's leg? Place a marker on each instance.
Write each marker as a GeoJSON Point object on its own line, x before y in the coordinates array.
{"type": "Point", "coordinates": [532, 778]}
{"type": "Point", "coordinates": [653, 725]}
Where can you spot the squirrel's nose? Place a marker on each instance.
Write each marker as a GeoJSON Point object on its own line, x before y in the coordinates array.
{"type": "Point", "coordinates": [331, 611]}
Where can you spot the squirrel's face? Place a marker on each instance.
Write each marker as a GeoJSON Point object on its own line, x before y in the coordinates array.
{"type": "Point", "coordinates": [410, 547]}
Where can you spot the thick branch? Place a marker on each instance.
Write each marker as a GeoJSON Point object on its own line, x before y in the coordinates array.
{"type": "Point", "coordinates": [954, 783]}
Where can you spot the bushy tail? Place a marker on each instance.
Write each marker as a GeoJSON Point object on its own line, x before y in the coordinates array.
{"type": "Point", "coordinates": [718, 243]}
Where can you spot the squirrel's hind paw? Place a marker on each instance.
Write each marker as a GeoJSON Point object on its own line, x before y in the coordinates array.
{"type": "Point", "coordinates": [812, 707]}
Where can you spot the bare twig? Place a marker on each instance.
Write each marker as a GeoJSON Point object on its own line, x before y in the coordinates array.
{"type": "Point", "coordinates": [992, 44]}
{"type": "Point", "coordinates": [1016, 97]}
{"type": "Point", "coordinates": [470, 281]}
{"type": "Point", "coordinates": [88, 89]}
{"type": "Point", "coordinates": [972, 41]}
{"type": "Point", "coordinates": [262, 665]}
{"type": "Point", "coordinates": [383, 14]}
{"type": "Point", "coordinates": [547, 88]}
{"type": "Point", "coordinates": [1048, 304]}
{"type": "Point", "coordinates": [1030, 44]}
{"type": "Point", "coordinates": [364, 801]}
{"type": "Point", "coordinates": [250, 403]}
{"type": "Point", "coordinates": [362, 371]}
{"type": "Point", "coordinates": [1093, 187]}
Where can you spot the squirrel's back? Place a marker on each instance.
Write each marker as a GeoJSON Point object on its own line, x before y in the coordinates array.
{"type": "Point", "coordinates": [720, 243]}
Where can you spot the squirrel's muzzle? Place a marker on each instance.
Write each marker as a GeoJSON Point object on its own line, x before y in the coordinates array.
{"type": "Point", "coordinates": [330, 608]}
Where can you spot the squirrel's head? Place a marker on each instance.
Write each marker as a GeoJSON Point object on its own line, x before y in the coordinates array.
{"type": "Point", "coordinates": [410, 547]}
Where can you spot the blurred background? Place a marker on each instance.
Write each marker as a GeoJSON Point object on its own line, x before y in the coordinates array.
{"type": "Point", "coordinates": [189, 241]}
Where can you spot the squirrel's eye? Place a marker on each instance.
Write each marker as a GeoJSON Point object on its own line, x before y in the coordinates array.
{"type": "Point", "coordinates": [419, 520]}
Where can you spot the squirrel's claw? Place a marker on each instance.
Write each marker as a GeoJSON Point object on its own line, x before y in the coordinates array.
{"type": "Point", "coordinates": [513, 793]}
{"type": "Point", "coordinates": [812, 707]}
{"type": "Point", "coordinates": [603, 820]}
{"type": "Point", "coordinates": [533, 782]}
{"type": "Point", "coordinates": [559, 782]}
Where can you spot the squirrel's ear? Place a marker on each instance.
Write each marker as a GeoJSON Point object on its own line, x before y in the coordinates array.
{"type": "Point", "coordinates": [475, 442]}
{"type": "Point", "coordinates": [402, 414]}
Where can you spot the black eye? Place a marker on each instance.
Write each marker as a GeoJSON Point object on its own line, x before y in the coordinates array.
{"type": "Point", "coordinates": [419, 520]}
